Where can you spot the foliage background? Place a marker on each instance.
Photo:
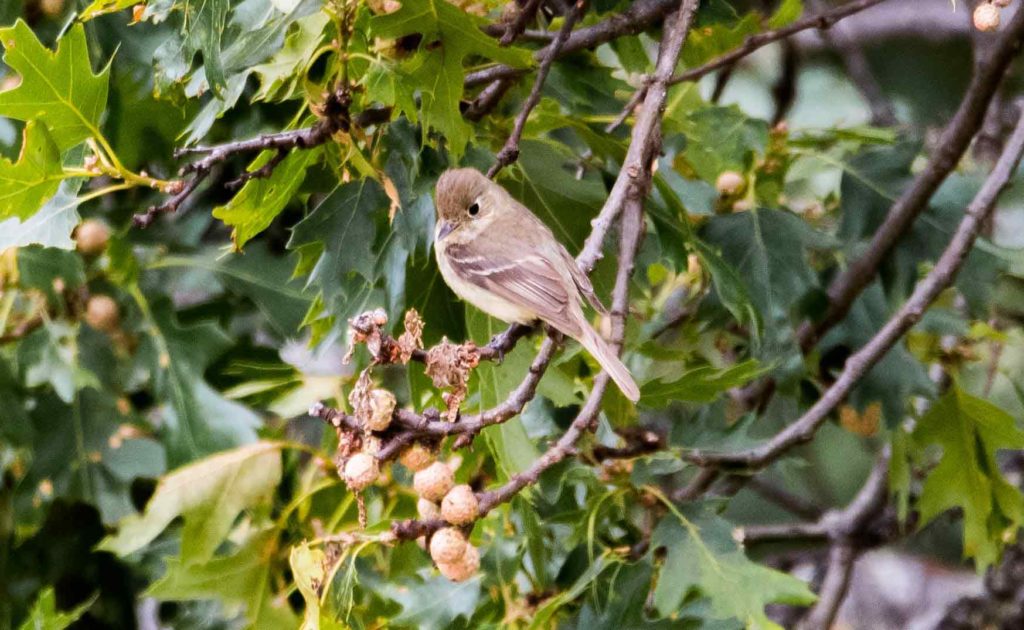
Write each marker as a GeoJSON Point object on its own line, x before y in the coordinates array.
{"type": "Point", "coordinates": [234, 310]}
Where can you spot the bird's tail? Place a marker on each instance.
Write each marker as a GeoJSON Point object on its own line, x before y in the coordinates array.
{"type": "Point", "coordinates": [600, 350]}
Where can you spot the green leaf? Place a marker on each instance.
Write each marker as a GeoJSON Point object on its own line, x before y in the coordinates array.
{"type": "Point", "coordinates": [432, 603]}
{"type": "Point", "coordinates": [44, 614]}
{"type": "Point", "coordinates": [336, 243]}
{"type": "Point", "coordinates": [205, 21]}
{"type": "Point", "coordinates": [510, 446]}
{"type": "Point", "coordinates": [280, 75]}
{"type": "Point", "coordinates": [769, 250]}
{"type": "Point", "coordinates": [543, 617]}
{"type": "Point", "coordinates": [198, 420]}
{"type": "Point", "coordinates": [700, 385]}
{"type": "Point", "coordinates": [256, 274]}
{"type": "Point", "coordinates": [703, 557]}
{"type": "Point", "coordinates": [449, 37]}
{"type": "Point", "coordinates": [49, 356]}
{"type": "Point", "coordinates": [720, 139]}
{"type": "Point", "coordinates": [261, 199]}
{"type": "Point", "coordinates": [209, 494]}
{"type": "Point", "coordinates": [787, 13]}
{"type": "Point", "coordinates": [57, 88]}
{"type": "Point", "coordinates": [102, 7]}
{"type": "Point", "coordinates": [970, 432]}
{"type": "Point", "coordinates": [27, 183]}
{"type": "Point", "coordinates": [241, 578]}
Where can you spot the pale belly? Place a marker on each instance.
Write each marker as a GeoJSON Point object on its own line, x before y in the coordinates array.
{"type": "Point", "coordinates": [488, 302]}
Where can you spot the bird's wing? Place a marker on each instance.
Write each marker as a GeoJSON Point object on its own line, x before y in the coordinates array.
{"type": "Point", "coordinates": [529, 280]}
{"type": "Point", "coordinates": [583, 283]}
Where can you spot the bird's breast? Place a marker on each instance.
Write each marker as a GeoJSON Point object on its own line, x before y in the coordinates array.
{"type": "Point", "coordinates": [479, 296]}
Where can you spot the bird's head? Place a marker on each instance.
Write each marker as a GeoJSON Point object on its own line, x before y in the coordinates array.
{"type": "Point", "coordinates": [461, 199]}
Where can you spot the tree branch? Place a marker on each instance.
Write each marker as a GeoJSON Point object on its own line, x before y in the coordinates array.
{"type": "Point", "coordinates": [510, 152]}
{"type": "Point", "coordinates": [335, 118]}
{"type": "Point", "coordinates": [518, 25]}
{"type": "Point", "coordinates": [645, 141]}
{"type": "Point", "coordinates": [636, 18]}
{"type": "Point", "coordinates": [989, 72]}
{"type": "Point", "coordinates": [820, 21]}
{"type": "Point", "coordinates": [857, 366]}
{"type": "Point", "coordinates": [751, 44]}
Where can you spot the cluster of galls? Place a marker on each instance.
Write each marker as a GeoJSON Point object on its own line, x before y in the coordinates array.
{"type": "Point", "coordinates": [986, 14]}
{"type": "Point", "coordinates": [434, 482]}
{"type": "Point", "coordinates": [449, 549]}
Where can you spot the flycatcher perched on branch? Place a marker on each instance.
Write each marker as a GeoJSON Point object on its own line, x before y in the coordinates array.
{"type": "Point", "coordinates": [498, 256]}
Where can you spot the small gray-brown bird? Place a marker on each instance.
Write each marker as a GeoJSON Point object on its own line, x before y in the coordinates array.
{"type": "Point", "coordinates": [498, 256]}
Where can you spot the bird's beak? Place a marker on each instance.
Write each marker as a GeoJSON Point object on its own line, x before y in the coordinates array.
{"type": "Point", "coordinates": [443, 229]}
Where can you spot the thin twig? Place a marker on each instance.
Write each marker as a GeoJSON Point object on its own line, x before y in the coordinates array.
{"type": "Point", "coordinates": [518, 25]}
{"type": "Point", "coordinates": [335, 118]}
{"type": "Point", "coordinates": [754, 42]}
{"type": "Point", "coordinates": [841, 558]}
{"type": "Point", "coordinates": [510, 152]}
{"type": "Point", "coordinates": [644, 143]}
{"type": "Point", "coordinates": [857, 366]}
{"type": "Point", "coordinates": [636, 18]}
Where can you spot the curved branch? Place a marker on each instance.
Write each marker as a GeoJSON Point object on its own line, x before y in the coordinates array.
{"type": "Point", "coordinates": [510, 152]}
{"type": "Point", "coordinates": [820, 21]}
{"type": "Point", "coordinates": [638, 17]}
{"type": "Point", "coordinates": [857, 366]}
{"type": "Point", "coordinates": [988, 75]}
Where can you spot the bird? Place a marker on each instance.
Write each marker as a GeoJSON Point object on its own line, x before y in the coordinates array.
{"type": "Point", "coordinates": [497, 255]}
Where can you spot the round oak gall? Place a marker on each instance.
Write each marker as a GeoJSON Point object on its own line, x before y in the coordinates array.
{"type": "Point", "coordinates": [434, 481]}
{"type": "Point", "coordinates": [102, 313]}
{"type": "Point", "coordinates": [52, 8]}
{"type": "Point", "coordinates": [986, 17]}
{"type": "Point", "coordinates": [361, 470]}
{"type": "Point", "coordinates": [447, 545]}
{"type": "Point", "coordinates": [463, 568]}
{"type": "Point", "coordinates": [428, 510]}
{"type": "Point", "coordinates": [416, 457]}
{"type": "Point", "coordinates": [382, 405]}
{"type": "Point", "coordinates": [460, 505]}
{"type": "Point", "coordinates": [730, 183]}
{"type": "Point", "coordinates": [91, 237]}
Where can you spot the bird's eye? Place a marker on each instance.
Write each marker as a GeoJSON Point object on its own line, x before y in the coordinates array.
{"type": "Point", "coordinates": [474, 209]}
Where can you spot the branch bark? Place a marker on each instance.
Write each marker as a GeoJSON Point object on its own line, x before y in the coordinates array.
{"type": "Point", "coordinates": [510, 152]}
{"type": "Point", "coordinates": [857, 366]}
{"type": "Point", "coordinates": [988, 75]}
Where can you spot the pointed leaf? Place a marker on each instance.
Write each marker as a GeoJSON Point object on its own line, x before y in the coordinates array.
{"type": "Point", "coordinates": [27, 183]}
{"type": "Point", "coordinates": [209, 494]}
{"type": "Point", "coordinates": [57, 88]}
{"type": "Point", "coordinates": [970, 431]}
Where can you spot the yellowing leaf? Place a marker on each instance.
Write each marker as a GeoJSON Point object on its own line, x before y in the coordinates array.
{"type": "Point", "coordinates": [57, 88]}
{"type": "Point", "coordinates": [34, 178]}
{"type": "Point", "coordinates": [209, 494]}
